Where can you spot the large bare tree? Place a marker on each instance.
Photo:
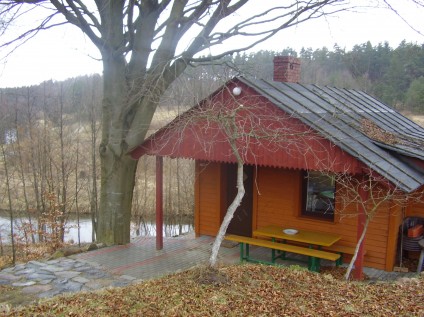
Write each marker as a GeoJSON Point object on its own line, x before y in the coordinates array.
{"type": "Point", "coordinates": [145, 45]}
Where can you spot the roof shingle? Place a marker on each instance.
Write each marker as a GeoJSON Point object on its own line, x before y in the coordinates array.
{"type": "Point", "coordinates": [339, 114]}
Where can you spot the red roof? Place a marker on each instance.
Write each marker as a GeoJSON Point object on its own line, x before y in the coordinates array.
{"type": "Point", "coordinates": [262, 134]}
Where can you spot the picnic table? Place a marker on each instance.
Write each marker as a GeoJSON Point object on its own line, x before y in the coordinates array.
{"type": "Point", "coordinates": [314, 241]}
{"type": "Point", "coordinates": [311, 238]}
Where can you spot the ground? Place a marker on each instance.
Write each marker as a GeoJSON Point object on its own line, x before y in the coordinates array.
{"type": "Point", "coordinates": [242, 290]}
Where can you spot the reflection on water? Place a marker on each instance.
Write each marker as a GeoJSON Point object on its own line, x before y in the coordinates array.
{"type": "Point", "coordinates": [85, 225]}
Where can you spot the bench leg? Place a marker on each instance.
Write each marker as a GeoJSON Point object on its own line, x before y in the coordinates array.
{"type": "Point", "coordinates": [339, 261]}
{"type": "Point", "coordinates": [314, 264]}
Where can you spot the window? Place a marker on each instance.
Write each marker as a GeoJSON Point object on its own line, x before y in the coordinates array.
{"type": "Point", "coordinates": [318, 195]}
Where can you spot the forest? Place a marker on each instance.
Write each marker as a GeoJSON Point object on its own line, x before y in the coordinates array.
{"type": "Point", "coordinates": [50, 134]}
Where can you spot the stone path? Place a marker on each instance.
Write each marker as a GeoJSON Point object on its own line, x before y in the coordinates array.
{"type": "Point", "coordinates": [37, 279]}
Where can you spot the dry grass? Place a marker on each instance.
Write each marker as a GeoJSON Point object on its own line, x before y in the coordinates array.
{"type": "Point", "coordinates": [418, 119]}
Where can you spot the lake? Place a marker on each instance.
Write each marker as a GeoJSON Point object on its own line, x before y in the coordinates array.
{"type": "Point", "coordinates": [85, 225]}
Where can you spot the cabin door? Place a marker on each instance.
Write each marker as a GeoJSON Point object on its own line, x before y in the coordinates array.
{"type": "Point", "coordinates": [241, 224]}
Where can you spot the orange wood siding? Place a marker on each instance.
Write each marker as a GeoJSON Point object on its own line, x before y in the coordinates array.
{"type": "Point", "coordinates": [278, 201]}
{"type": "Point", "coordinates": [208, 198]}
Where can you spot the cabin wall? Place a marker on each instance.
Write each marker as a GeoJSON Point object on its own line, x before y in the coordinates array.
{"type": "Point", "coordinates": [208, 198]}
{"type": "Point", "coordinates": [279, 202]}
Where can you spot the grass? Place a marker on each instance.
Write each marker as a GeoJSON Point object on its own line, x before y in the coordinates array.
{"type": "Point", "coordinates": [241, 290]}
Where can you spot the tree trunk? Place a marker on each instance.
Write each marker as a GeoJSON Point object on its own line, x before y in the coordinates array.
{"type": "Point", "coordinates": [118, 177]}
{"type": "Point", "coordinates": [9, 198]}
{"type": "Point", "coordinates": [63, 170]}
{"type": "Point", "coordinates": [117, 169]}
{"type": "Point", "coordinates": [93, 195]}
{"type": "Point", "coordinates": [228, 216]}
{"type": "Point", "coordinates": [358, 245]}
{"type": "Point", "coordinates": [22, 173]}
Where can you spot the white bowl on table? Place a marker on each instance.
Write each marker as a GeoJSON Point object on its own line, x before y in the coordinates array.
{"type": "Point", "coordinates": [290, 231]}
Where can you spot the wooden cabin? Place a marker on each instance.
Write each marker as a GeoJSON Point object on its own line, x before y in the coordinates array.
{"type": "Point", "coordinates": [294, 140]}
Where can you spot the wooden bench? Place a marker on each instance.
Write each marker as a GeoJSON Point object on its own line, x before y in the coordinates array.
{"type": "Point", "coordinates": [313, 254]}
{"type": "Point", "coordinates": [341, 249]}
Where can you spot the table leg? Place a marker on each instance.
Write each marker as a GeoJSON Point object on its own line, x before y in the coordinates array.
{"type": "Point", "coordinates": [314, 264]}
{"type": "Point", "coordinates": [241, 252]}
{"type": "Point", "coordinates": [339, 261]}
{"type": "Point", "coordinates": [311, 260]}
{"type": "Point", "coordinates": [283, 253]}
{"type": "Point", "coordinates": [273, 257]}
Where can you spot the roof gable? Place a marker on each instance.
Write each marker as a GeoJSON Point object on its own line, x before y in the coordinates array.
{"type": "Point", "coordinates": [338, 115]}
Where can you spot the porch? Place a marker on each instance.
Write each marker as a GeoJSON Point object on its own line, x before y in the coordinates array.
{"type": "Point", "coordinates": [141, 260]}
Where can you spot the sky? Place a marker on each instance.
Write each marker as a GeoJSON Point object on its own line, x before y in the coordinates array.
{"type": "Point", "coordinates": [65, 53]}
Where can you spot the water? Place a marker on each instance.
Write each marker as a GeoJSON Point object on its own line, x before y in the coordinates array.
{"type": "Point", "coordinates": [85, 225]}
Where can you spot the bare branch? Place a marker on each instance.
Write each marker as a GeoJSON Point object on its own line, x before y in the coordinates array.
{"type": "Point", "coordinates": [29, 34]}
{"type": "Point", "coordinates": [419, 3]}
{"type": "Point", "coordinates": [76, 16]}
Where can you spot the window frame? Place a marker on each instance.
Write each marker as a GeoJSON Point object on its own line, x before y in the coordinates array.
{"type": "Point", "coordinates": [318, 214]}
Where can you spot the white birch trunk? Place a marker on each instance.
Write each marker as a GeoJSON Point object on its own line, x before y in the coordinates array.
{"type": "Point", "coordinates": [228, 216]}
{"type": "Point", "coordinates": [358, 245]}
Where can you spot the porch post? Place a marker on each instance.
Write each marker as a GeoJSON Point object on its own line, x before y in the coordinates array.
{"type": "Point", "coordinates": [159, 202]}
{"type": "Point", "coordinates": [358, 272]}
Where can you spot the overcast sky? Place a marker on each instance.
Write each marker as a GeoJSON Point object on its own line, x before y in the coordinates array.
{"type": "Point", "coordinates": [64, 52]}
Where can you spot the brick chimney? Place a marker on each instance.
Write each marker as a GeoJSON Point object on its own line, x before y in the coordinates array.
{"type": "Point", "coordinates": [287, 69]}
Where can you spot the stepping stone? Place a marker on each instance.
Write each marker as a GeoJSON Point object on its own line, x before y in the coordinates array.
{"type": "Point", "coordinates": [70, 287]}
{"type": "Point", "coordinates": [80, 279]}
{"type": "Point", "coordinates": [25, 271]}
{"type": "Point", "coordinates": [67, 274]}
{"type": "Point", "coordinates": [9, 277]}
{"type": "Point", "coordinates": [95, 274]}
{"type": "Point", "coordinates": [127, 277]}
{"type": "Point", "coordinates": [120, 283]}
{"type": "Point", "coordinates": [36, 289]}
{"type": "Point", "coordinates": [45, 282]}
{"type": "Point", "coordinates": [49, 294]}
{"type": "Point", "coordinates": [23, 284]}
{"type": "Point", "coordinates": [52, 268]}
{"type": "Point", "coordinates": [37, 263]}
{"type": "Point", "coordinates": [41, 276]}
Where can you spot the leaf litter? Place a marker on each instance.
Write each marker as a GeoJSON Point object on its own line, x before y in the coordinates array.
{"type": "Point", "coordinates": [241, 290]}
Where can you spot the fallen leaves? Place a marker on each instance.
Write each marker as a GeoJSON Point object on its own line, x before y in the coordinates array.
{"type": "Point", "coordinates": [241, 290]}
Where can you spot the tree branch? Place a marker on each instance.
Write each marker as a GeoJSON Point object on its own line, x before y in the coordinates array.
{"type": "Point", "coordinates": [76, 18]}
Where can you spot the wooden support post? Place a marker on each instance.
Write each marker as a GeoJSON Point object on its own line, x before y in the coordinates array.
{"type": "Point", "coordinates": [159, 202]}
{"type": "Point", "coordinates": [197, 170]}
{"type": "Point", "coordinates": [358, 273]}
{"type": "Point", "coordinates": [395, 221]}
